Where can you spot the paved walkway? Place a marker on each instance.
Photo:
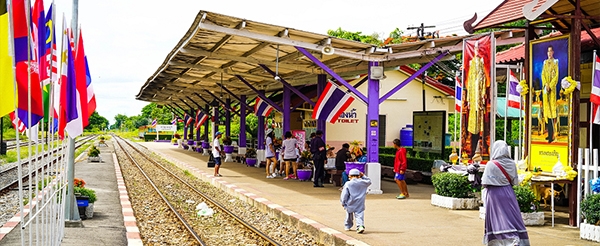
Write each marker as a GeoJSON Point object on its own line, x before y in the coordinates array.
{"type": "Point", "coordinates": [388, 221]}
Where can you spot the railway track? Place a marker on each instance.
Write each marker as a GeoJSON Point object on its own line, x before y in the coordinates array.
{"type": "Point", "coordinates": [181, 198]}
{"type": "Point", "coordinates": [9, 176]}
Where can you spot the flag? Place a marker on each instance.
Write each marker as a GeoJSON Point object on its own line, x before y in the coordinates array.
{"type": "Point", "coordinates": [262, 108]}
{"type": "Point", "coordinates": [188, 120]}
{"type": "Point", "coordinates": [332, 103]}
{"type": "Point", "coordinates": [7, 79]}
{"type": "Point", "coordinates": [458, 95]}
{"type": "Point", "coordinates": [52, 58]}
{"type": "Point", "coordinates": [17, 123]}
{"type": "Point", "coordinates": [513, 97]}
{"type": "Point", "coordinates": [48, 64]}
{"type": "Point", "coordinates": [154, 122]}
{"type": "Point", "coordinates": [70, 97]}
{"type": "Point", "coordinates": [27, 69]}
{"type": "Point", "coordinates": [60, 91]}
{"type": "Point", "coordinates": [595, 95]}
{"type": "Point", "coordinates": [174, 121]}
{"type": "Point", "coordinates": [200, 119]}
{"type": "Point", "coordinates": [81, 80]}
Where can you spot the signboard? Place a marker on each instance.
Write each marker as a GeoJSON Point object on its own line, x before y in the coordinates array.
{"type": "Point", "coordinates": [429, 131]}
{"type": "Point", "coordinates": [550, 109]}
{"type": "Point", "coordinates": [166, 128]}
{"type": "Point", "coordinates": [300, 136]}
{"type": "Point", "coordinates": [348, 117]}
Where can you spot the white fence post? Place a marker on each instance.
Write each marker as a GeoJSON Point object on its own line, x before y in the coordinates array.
{"type": "Point", "coordinates": [579, 168]}
{"type": "Point", "coordinates": [586, 189]}
{"type": "Point", "coordinates": [595, 163]}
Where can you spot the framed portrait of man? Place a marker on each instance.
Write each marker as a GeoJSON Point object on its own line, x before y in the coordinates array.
{"type": "Point", "coordinates": [550, 107]}
{"type": "Point", "coordinates": [475, 110]}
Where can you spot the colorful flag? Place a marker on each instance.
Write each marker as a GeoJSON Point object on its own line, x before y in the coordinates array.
{"type": "Point", "coordinates": [188, 120]}
{"type": "Point", "coordinates": [60, 91]}
{"type": "Point", "coordinates": [154, 122]}
{"type": "Point", "coordinates": [70, 96]}
{"type": "Point", "coordinates": [81, 80]}
{"type": "Point", "coordinates": [458, 95]}
{"type": "Point", "coordinates": [48, 64]}
{"type": "Point", "coordinates": [595, 95]}
{"type": "Point", "coordinates": [174, 121]}
{"type": "Point", "coordinates": [514, 97]}
{"type": "Point", "coordinates": [7, 79]}
{"type": "Point", "coordinates": [27, 69]}
{"type": "Point", "coordinates": [332, 103]}
{"type": "Point", "coordinates": [262, 108]}
{"type": "Point", "coordinates": [17, 123]}
{"type": "Point", "coordinates": [200, 119]}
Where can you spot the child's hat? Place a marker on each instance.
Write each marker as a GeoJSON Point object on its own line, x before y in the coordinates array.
{"type": "Point", "coordinates": [354, 172]}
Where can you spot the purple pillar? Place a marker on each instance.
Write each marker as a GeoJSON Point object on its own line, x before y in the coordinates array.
{"type": "Point", "coordinates": [228, 118]}
{"type": "Point", "coordinates": [192, 114]}
{"type": "Point", "coordinates": [321, 83]}
{"type": "Point", "coordinates": [373, 118]}
{"type": "Point", "coordinates": [286, 109]}
{"type": "Point", "coordinates": [217, 117]}
{"type": "Point", "coordinates": [206, 110]}
{"type": "Point", "coordinates": [261, 129]}
{"type": "Point", "coordinates": [242, 140]}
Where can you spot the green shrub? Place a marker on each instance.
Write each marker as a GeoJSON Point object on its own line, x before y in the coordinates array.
{"type": "Point", "coordinates": [93, 152]}
{"type": "Point", "coordinates": [86, 192]}
{"type": "Point", "coordinates": [452, 185]}
{"type": "Point", "coordinates": [590, 208]}
{"type": "Point", "coordinates": [526, 199]}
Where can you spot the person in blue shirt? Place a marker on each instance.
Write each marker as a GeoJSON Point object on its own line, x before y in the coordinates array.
{"type": "Point", "coordinates": [353, 199]}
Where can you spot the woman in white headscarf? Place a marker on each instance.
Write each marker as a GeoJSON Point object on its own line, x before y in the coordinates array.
{"type": "Point", "coordinates": [503, 222]}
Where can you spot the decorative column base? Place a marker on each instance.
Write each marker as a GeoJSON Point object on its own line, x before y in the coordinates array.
{"type": "Point", "coordinates": [373, 171]}
{"type": "Point", "coordinates": [228, 158]}
{"type": "Point", "coordinates": [241, 151]}
{"type": "Point", "coordinates": [260, 156]}
{"type": "Point", "coordinates": [205, 152]}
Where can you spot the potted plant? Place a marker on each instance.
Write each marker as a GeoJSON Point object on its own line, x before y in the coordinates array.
{"type": "Point", "coordinates": [250, 157]}
{"type": "Point", "coordinates": [590, 208]}
{"type": "Point", "coordinates": [227, 145]}
{"type": "Point", "coordinates": [528, 205]}
{"type": "Point", "coordinates": [453, 191]}
{"type": "Point", "coordinates": [94, 154]}
{"type": "Point", "coordinates": [305, 171]}
{"type": "Point", "coordinates": [102, 141]}
{"type": "Point", "coordinates": [85, 198]}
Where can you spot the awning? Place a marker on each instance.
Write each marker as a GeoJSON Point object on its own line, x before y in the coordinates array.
{"type": "Point", "coordinates": [501, 109]}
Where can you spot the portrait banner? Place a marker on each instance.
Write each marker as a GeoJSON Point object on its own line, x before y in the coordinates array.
{"type": "Point", "coordinates": [476, 95]}
{"type": "Point", "coordinates": [550, 108]}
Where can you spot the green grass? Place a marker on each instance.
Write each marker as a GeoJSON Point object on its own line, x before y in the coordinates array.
{"type": "Point", "coordinates": [133, 136]}
{"type": "Point", "coordinates": [187, 173]}
{"type": "Point", "coordinates": [81, 149]}
{"type": "Point", "coordinates": [11, 155]}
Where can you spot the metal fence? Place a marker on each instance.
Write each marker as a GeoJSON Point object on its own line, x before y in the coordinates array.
{"type": "Point", "coordinates": [587, 169]}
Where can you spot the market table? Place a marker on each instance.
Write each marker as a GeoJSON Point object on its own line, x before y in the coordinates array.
{"type": "Point", "coordinates": [549, 178]}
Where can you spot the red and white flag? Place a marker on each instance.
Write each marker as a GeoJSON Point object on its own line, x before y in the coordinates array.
{"type": "Point", "coordinates": [514, 97]}
{"type": "Point", "coordinates": [332, 103]}
{"type": "Point", "coordinates": [262, 108]}
{"type": "Point", "coordinates": [595, 95]}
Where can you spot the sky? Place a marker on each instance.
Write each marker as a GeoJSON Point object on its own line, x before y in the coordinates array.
{"type": "Point", "coordinates": [126, 41]}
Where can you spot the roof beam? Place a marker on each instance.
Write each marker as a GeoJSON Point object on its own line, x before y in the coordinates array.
{"type": "Point", "coordinates": [236, 97]}
{"type": "Point", "coordinates": [261, 95]}
{"type": "Point", "coordinates": [228, 107]}
{"type": "Point", "coordinates": [286, 84]}
{"type": "Point", "coordinates": [214, 69]}
{"type": "Point", "coordinates": [286, 41]}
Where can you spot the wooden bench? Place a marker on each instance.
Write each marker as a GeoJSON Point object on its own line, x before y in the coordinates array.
{"type": "Point", "coordinates": [335, 176]}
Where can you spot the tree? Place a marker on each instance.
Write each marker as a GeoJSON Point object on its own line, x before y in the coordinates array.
{"type": "Point", "coordinates": [355, 36]}
{"type": "Point", "coordinates": [152, 111]}
{"type": "Point", "coordinates": [96, 122]}
{"type": "Point", "coordinates": [119, 120]}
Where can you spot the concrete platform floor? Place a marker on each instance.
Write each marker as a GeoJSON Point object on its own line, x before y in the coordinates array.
{"type": "Point", "coordinates": [388, 221]}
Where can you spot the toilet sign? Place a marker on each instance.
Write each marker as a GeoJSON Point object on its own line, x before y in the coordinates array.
{"type": "Point", "coordinates": [166, 128]}
{"type": "Point", "coordinates": [348, 117]}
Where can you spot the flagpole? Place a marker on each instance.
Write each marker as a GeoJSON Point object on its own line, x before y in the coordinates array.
{"type": "Point", "coordinates": [506, 100]}
{"type": "Point", "coordinates": [521, 104]}
{"type": "Point", "coordinates": [592, 107]}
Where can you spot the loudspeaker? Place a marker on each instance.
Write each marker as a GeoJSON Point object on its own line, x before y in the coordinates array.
{"type": "Point", "coordinates": [327, 50]}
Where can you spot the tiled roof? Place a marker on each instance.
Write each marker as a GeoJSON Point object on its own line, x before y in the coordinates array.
{"type": "Point", "coordinates": [507, 11]}
{"type": "Point", "coordinates": [449, 91]}
{"type": "Point", "coordinates": [517, 53]}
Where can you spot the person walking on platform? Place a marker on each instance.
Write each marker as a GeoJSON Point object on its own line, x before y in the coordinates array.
{"type": "Point", "coordinates": [341, 157]}
{"type": "Point", "coordinates": [317, 148]}
{"type": "Point", "coordinates": [216, 152]}
{"type": "Point", "coordinates": [503, 222]}
{"type": "Point", "coordinates": [353, 199]}
{"type": "Point", "coordinates": [270, 155]}
{"type": "Point", "coordinates": [400, 164]}
{"type": "Point", "coordinates": [289, 154]}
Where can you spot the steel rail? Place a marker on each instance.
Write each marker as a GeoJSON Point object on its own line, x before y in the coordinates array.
{"type": "Point", "coordinates": [221, 207]}
{"type": "Point", "coordinates": [181, 219]}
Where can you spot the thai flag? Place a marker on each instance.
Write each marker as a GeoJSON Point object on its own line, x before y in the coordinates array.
{"type": "Point", "coordinates": [514, 97]}
{"type": "Point", "coordinates": [174, 121]}
{"type": "Point", "coordinates": [154, 122]}
{"type": "Point", "coordinates": [188, 120]}
{"type": "Point", "coordinates": [595, 95]}
{"type": "Point", "coordinates": [70, 95]}
{"type": "Point", "coordinates": [262, 108]}
{"type": "Point", "coordinates": [332, 103]}
{"type": "Point", "coordinates": [200, 119]}
{"type": "Point", "coordinates": [82, 78]}
{"type": "Point", "coordinates": [458, 95]}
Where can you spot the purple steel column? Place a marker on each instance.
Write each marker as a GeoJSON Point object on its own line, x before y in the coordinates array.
{"type": "Point", "coordinates": [321, 83]}
{"type": "Point", "coordinates": [242, 139]}
{"type": "Point", "coordinates": [206, 110]}
{"type": "Point", "coordinates": [286, 109]}
{"type": "Point", "coordinates": [373, 118]}
{"type": "Point", "coordinates": [193, 115]}
{"type": "Point", "coordinates": [217, 117]}
{"type": "Point", "coordinates": [261, 128]}
{"type": "Point", "coordinates": [184, 131]}
{"type": "Point", "coordinates": [228, 118]}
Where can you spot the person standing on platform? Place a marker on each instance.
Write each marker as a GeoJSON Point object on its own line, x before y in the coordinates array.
{"type": "Point", "coordinates": [270, 155]}
{"type": "Point", "coordinates": [341, 157]}
{"type": "Point", "coordinates": [503, 222]}
{"type": "Point", "coordinates": [549, 82]}
{"type": "Point", "coordinates": [317, 148]}
{"type": "Point", "coordinates": [354, 194]}
{"type": "Point", "coordinates": [400, 164]}
{"type": "Point", "coordinates": [289, 154]}
{"type": "Point", "coordinates": [216, 151]}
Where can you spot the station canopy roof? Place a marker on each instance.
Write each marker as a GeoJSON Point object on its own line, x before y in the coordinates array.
{"type": "Point", "coordinates": [219, 48]}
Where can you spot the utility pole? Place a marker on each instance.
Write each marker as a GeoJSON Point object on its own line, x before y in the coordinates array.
{"type": "Point", "coordinates": [421, 31]}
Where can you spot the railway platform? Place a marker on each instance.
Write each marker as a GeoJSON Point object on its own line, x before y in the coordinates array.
{"type": "Point", "coordinates": [388, 221]}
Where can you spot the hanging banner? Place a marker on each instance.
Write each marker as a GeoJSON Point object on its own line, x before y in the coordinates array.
{"type": "Point", "coordinates": [476, 107]}
{"type": "Point", "coordinates": [300, 136]}
{"type": "Point", "coordinates": [550, 107]}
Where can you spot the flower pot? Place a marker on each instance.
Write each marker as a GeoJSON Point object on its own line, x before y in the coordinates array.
{"type": "Point", "coordinates": [94, 159]}
{"type": "Point", "coordinates": [250, 162]}
{"type": "Point", "coordinates": [454, 203]}
{"type": "Point", "coordinates": [228, 149]}
{"type": "Point", "coordinates": [190, 142]}
{"type": "Point", "coordinates": [352, 165]}
{"type": "Point", "coordinates": [535, 218]}
{"type": "Point", "coordinates": [304, 174]}
{"type": "Point", "coordinates": [89, 211]}
{"type": "Point", "coordinates": [589, 232]}
{"type": "Point", "coordinates": [205, 145]}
